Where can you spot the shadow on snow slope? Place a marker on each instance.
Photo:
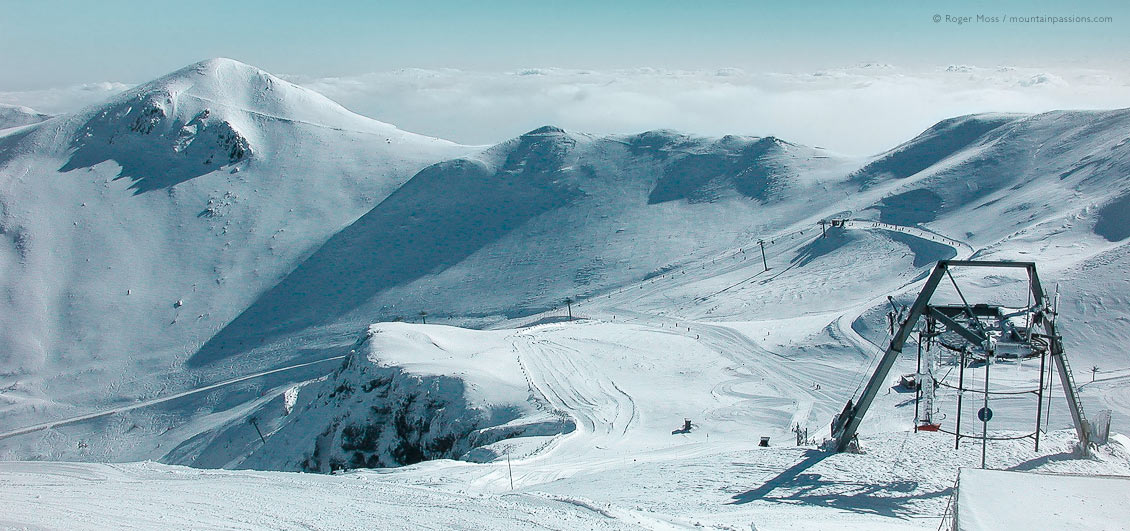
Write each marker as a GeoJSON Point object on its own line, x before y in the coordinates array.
{"type": "Point", "coordinates": [836, 238]}
{"type": "Point", "coordinates": [441, 216]}
{"type": "Point", "coordinates": [749, 166]}
{"type": "Point", "coordinates": [149, 170]}
{"type": "Point", "coordinates": [180, 126]}
{"type": "Point", "coordinates": [910, 208]}
{"type": "Point", "coordinates": [889, 499]}
{"type": "Point", "coordinates": [932, 146]}
{"type": "Point", "coordinates": [926, 252]}
{"type": "Point", "coordinates": [1114, 219]}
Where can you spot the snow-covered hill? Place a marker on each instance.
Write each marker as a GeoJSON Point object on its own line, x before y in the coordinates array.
{"type": "Point", "coordinates": [17, 115]}
{"type": "Point", "coordinates": [219, 222]}
{"type": "Point", "coordinates": [135, 229]}
{"type": "Point", "coordinates": [517, 228]}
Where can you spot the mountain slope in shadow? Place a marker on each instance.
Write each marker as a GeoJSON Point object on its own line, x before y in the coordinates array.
{"type": "Point", "coordinates": [444, 214]}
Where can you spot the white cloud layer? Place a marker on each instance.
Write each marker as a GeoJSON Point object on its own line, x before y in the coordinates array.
{"type": "Point", "coordinates": [63, 99]}
{"type": "Point", "coordinates": [859, 110]}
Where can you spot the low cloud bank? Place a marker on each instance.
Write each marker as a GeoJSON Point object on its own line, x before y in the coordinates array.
{"type": "Point", "coordinates": [860, 110]}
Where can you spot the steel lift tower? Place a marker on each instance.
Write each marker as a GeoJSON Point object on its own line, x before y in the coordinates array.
{"type": "Point", "coordinates": [965, 321]}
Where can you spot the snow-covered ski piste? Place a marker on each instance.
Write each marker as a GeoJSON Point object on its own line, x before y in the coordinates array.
{"type": "Point", "coordinates": [232, 303]}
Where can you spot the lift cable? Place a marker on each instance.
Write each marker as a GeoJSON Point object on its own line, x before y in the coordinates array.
{"type": "Point", "coordinates": [971, 390]}
{"type": "Point", "coordinates": [989, 437]}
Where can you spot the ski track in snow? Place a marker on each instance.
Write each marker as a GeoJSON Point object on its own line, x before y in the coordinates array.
{"type": "Point", "coordinates": [580, 388]}
{"type": "Point", "coordinates": [571, 385]}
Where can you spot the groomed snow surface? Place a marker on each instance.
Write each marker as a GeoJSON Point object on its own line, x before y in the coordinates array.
{"type": "Point", "coordinates": [624, 388]}
{"type": "Point", "coordinates": [1005, 500]}
{"type": "Point", "coordinates": [220, 222]}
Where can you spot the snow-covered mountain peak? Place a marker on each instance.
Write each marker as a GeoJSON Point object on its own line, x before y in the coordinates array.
{"type": "Point", "coordinates": [204, 117]}
{"type": "Point", "coordinates": [226, 90]}
{"type": "Point", "coordinates": [546, 130]}
{"type": "Point", "coordinates": [193, 192]}
{"type": "Point", "coordinates": [225, 83]}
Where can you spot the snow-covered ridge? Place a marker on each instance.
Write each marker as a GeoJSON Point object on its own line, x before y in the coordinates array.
{"type": "Point", "coordinates": [942, 140]}
{"type": "Point", "coordinates": [980, 170]}
{"type": "Point", "coordinates": [498, 215]}
{"type": "Point", "coordinates": [613, 209]}
{"type": "Point", "coordinates": [406, 394]}
{"type": "Point", "coordinates": [205, 116]}
{"type": "Point", "coordinates": [18, 115]}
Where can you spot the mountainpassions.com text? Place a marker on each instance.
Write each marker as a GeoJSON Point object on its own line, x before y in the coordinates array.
{"type": "Point", "coordinates": [1022, 19]}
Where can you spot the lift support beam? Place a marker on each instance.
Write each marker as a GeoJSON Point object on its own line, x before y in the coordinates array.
{"type": "Point", "coordinates": [845, 425]}
{"type": "Point", "coordinates": [969, 335]}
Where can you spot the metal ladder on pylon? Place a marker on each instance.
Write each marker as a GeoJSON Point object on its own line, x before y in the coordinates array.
{"type": "Point", "coordinates": [1067, 376]}
{"type": "Point", "coordinates": [1074, 394]}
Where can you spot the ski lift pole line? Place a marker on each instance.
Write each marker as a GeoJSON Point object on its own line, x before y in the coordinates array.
{"type": "Point", "coordinates": [912, 231]}
{"type": "Point", "coordinates": [960, 396]}
{"type": "Point", "coordinates": [155, 401]}
{"type": "Point", "coordinates": [766, 268]}
{"type": "Point", "coordinates": [918, 382]}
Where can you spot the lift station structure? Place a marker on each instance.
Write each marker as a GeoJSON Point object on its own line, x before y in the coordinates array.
{"type": "Point", "coordinates": [976, 332]}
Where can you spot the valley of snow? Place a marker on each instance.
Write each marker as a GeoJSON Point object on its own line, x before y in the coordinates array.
{"type": "Point", "coordinates": [220, 222]}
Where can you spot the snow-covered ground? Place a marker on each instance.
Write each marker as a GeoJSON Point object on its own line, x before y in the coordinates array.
{"type": "Point", "coordinates": [903, 483]}
{"type": "Point", "coordinates": [219, 222]}
{"type": "Point", "coordinates": [1040, 501]}
{"type": "Point", "coordinates": [152, 496]}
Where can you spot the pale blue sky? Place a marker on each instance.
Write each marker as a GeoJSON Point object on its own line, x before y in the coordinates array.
{"type": "Point", "coordinates": [47, 43]}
